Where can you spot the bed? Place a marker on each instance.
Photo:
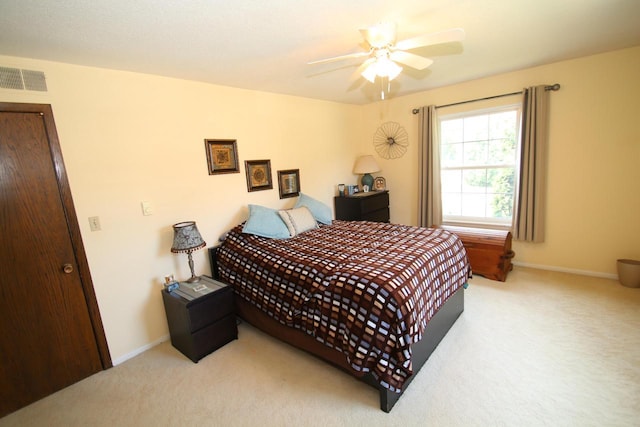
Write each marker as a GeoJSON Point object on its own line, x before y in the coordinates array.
{"type": "Point", "coordinates": [374, 299]}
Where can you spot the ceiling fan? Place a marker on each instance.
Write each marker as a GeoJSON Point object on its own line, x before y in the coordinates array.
{"type": "Point", "coordinates": [384, 52]}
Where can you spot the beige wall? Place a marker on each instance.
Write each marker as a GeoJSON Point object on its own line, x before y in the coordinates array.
{"type": "Point", "coordinates": [130, 137]}
{"type": "Point", "coordinates": [593, 206]}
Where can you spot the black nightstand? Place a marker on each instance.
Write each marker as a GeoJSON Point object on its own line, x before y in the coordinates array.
{"type": "Point", "coordinates": [202, 325]}
{"type": "Point", "coordinates": [370, 206]}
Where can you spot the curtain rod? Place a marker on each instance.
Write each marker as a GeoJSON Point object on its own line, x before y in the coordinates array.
{"type": "Point", "coordinates": [553, 87]}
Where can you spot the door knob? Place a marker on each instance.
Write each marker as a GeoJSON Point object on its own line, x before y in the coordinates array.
{"type": "Point", "coordinates": [67, 268]}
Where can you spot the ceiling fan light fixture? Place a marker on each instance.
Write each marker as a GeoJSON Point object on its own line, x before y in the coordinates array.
{"type": "Point", "coordinates": [382, 67]}
{"type": "Point", "coordinates": [392, 69]}
{"type": "Point", "coordinates": [370, 72]}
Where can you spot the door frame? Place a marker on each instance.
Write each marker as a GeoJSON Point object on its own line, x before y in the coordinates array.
{"type": "Point", "coordinates": [46, 112]}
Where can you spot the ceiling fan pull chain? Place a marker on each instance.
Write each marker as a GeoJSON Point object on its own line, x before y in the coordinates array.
{"type": "Point", "coordinates": [384, 89]}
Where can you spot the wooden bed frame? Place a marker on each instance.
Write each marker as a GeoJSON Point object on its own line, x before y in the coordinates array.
{"type": "Point", "coordinates": [435, 331]}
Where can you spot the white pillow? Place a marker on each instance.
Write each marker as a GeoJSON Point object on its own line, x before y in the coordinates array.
{"type": "Point", "coordinates": [298, 220]}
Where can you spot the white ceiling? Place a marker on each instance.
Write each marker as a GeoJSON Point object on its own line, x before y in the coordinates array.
{"type": "Point", "coordinates": [265, 44]}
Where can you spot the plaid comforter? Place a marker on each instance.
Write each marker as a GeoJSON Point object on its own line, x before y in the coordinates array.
{"type": "Point", "coordinates": [365, 289]}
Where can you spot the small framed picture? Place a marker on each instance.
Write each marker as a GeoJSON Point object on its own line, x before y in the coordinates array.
{"type": "Point", "coordinates": [222, 156]}
{"type": "Point", "coordinates": [258, 175]}
{"type": "Point", "coordinates": [289, 183]}
{"type": "Point", "coordinates": [379, 184]}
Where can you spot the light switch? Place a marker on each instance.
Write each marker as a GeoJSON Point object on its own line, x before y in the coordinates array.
{"type": "Point", "coordinates": [147, 209]}
{"type": "Point", "coordinates": [94, 223]}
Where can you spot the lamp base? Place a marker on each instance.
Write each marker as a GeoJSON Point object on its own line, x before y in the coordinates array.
{"type": "Point", "coordinates": [193, 278]}
{"type": "Point", "coordinates": [367, 179]}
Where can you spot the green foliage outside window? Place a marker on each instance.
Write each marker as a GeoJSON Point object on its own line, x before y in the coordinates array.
{"type": "Point", "coordinates": [483, 149]}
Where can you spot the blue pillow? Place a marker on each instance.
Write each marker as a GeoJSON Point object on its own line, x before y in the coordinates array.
{"type": "Point", "coordinates": [265, 222]}
{"type": "Point", "coordinates": [320, 211]}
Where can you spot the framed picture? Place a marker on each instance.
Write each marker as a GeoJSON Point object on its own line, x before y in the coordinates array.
{"type": "Point", "coordinates": [222, 156]}
{"type": "Point", "coordinates": [289, 183]}
{"type": "Point", "coordinates": [379, 184]}
{"type": "Point", "coordinates": [258, 175]}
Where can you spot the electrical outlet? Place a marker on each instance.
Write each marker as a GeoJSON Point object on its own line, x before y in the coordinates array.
{"type": "Point", "coordinates": [94, 223]}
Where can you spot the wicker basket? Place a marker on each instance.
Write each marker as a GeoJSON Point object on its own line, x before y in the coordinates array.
{"type": "Point", "coordinates": [629, 273]}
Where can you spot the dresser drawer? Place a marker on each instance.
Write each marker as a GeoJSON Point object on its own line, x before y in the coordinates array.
{"type": "Point", "coordinates": [214, 336]}
{"type": "Point", "coordinates": [374, 203]}
{"type": "Point", "coordinates": [205, 311]}
{"type": "Point", "coordinates": [381, 215]}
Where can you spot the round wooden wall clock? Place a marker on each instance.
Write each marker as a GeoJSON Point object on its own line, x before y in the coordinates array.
{"type": "Point", "coordinates": [391, 140]}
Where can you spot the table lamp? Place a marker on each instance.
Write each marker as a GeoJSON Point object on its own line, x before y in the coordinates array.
{"type": "Point", "coordinates": [186, 238]}
{"type": "Point", "coordinates": [365, 165]}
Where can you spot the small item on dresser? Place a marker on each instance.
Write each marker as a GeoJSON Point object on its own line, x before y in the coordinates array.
{"type": "Point", "coordinates": [192, 291]}
{"type": "Point", "coordinates": [170, 284]}
{"type": "Point", "coordinates": [380, 184]}
{"type": "Point", "coordinates": [341, 190]}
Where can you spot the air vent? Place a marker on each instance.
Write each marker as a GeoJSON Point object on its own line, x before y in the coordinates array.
{"type": "Point", "coordinates": [11, 78]}
{"type": "Point", "coordinates": [15, 78]}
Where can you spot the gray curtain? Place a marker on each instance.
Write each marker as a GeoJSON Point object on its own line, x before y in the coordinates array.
{"type": "Point", "coordinates": [430, 197]}
{"type": "Point", "coordinates": [529, 214]}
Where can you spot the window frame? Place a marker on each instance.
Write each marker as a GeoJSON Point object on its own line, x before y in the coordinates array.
{"type": "Point", "coordinates": [485, 222]}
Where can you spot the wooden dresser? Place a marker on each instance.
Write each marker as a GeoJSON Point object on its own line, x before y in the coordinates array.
{"type": "Point", "coordinates": [370, 206]}
{"type": "Point", "coordinates": [202, 325]}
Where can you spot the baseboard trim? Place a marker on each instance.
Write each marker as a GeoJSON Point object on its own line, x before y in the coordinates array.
{"type": "Point", "coordinates": [568, 270]}
{"type": "Point", "coordinates": [140, 350]}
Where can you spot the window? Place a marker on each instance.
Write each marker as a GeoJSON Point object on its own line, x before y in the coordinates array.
{"type": "Point", "coordinates": [479, 165]}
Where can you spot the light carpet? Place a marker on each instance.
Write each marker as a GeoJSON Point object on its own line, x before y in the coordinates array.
{"type": "Point", "coordinates": [542, 349]}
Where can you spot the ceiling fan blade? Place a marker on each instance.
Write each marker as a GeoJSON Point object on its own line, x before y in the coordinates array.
{"type": "Point", "coordinates": [410, 59]}
{"type": "Point", "coordinates": [365, 64]}
{"type": "Point", "coordinates": [446, 36]}
{"type": "Point", "coordinates": [380, 35]}
{"type": "Point", "coordinates": [340, 58]}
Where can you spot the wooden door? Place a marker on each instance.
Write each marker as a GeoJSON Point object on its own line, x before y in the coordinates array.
{"type": "Point", "coordinates": [50, 330]}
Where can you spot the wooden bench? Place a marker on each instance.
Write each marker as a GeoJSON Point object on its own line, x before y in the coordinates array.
{"type": "Point", "coordinates": [489, 251]}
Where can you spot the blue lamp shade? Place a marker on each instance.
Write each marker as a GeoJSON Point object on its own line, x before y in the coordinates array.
{"type": "Point", "coordinates": [366, 165]}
